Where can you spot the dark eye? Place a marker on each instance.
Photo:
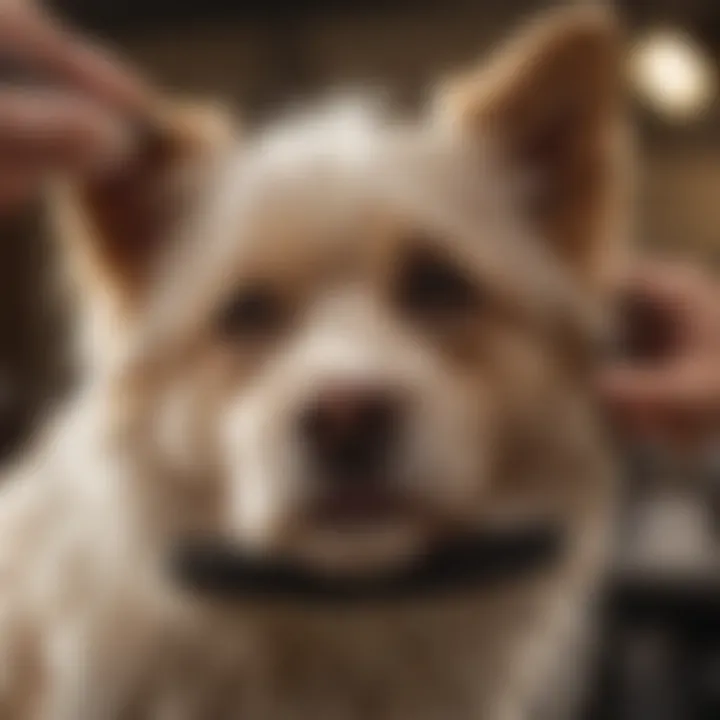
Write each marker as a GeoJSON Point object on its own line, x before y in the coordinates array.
{"type": "Point", "coordinates": [254, 312]}
{"type": "Point", "coordinates": [432, 285]}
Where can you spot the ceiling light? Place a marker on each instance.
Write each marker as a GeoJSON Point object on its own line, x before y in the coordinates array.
{"type": "Point", "coordinates": [673, 75]}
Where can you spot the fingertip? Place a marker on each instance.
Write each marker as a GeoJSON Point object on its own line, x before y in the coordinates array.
{"type": "Point", "coordinates": [97, 72]}
{"type": "Point", "coordinates": [103, 143]}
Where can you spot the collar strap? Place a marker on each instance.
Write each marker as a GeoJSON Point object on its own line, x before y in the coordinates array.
{"type": "Point", "coordinates": [476, 562]}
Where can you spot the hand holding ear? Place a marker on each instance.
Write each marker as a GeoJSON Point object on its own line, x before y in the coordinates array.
{"type": "Point", "coordinates": [668, 387]}
{"type": "Point", "coordinates": [64, 104]}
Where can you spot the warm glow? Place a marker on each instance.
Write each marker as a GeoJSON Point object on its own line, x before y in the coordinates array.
{"type": "Point", "coordinates": [673, 75]}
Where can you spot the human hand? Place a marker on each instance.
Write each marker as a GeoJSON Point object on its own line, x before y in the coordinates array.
{"type": "Point", "coordinates": [64, 104]}
{"type": "Point", "coordinates": [668, 388]}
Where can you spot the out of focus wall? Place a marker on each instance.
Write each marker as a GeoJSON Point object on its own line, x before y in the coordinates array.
{"type": "Point", "coordinates": [260, 66]}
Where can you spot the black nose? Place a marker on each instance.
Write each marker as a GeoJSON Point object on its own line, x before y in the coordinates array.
{"type": "Point", "coordinates": [350, 431]}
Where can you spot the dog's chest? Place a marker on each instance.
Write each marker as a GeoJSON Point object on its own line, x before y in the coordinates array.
{"type": "Point", "coordinates": [460, 661]}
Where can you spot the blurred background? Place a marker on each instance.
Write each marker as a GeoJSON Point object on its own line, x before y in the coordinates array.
{"type": "Point", "coordinates": [662, 650]}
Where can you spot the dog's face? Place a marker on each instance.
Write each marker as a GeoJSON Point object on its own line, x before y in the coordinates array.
{"type": "Point", "coordinates": [357, 325]}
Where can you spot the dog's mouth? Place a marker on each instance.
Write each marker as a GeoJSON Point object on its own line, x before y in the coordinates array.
{"type": "Point", "coordinates": [362, 506]}
{"type": "Point", "coordinates": [469, 562]}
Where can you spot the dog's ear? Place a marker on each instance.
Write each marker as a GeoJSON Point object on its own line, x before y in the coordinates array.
{"type": "Point", "coordinates": [117, 225]}
{"type": "Point", "coordinates": [552, 101]}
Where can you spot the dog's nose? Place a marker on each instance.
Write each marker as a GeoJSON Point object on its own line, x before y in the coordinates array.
{"type": "Point", "coordinates": [351, 429]}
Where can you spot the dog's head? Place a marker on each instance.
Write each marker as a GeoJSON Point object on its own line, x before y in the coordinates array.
{"type": "Point", "coordinates": [344, 336]}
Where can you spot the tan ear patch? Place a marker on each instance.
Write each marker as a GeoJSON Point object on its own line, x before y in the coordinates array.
{"type": "Point", "coordinates": [116, 226]}
{"type": "Point", "coordinates": [552, 99]}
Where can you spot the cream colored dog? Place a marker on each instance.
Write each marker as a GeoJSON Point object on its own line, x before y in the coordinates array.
{"type": "Point", "coordinates": [337, 343]}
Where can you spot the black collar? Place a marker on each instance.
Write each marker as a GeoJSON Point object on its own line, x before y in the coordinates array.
{"type": "Point", "coordinates": [476, 562]}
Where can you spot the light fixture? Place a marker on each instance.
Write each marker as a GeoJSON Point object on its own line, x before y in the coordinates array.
{"type": "Point", "coordinates": [672, 74]}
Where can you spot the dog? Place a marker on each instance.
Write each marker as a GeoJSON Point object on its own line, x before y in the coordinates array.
{"type": "Point", "coordinates": [338, 343]}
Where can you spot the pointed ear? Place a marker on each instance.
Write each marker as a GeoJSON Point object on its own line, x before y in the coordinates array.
{"type": "Point", "coordinates": [552, 101]}
{"type": "Point", "coordinates": [116, 226]}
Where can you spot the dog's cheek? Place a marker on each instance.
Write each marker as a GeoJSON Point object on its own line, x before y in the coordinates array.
{"type": "Point", "coordinates": [451, 443]}
{"type": "Point", "coordinates": [173, 429]}
{"type": "Point", "coordinates": [186, 426]}
{"type": "Point", "coordinates": [262, 487]}
{"type": "Point", "coordinates": [530, 396]}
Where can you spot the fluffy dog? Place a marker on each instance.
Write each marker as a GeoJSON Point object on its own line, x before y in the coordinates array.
{"type": "Point", "coordinates": [337, 342]}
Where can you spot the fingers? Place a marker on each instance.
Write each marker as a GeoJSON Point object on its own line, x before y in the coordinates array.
{"type": "Point", "coordinates": [680, 290]}
{"type": "Point", "coordinates": [27, 35]}
{"type": "Point", "coordinates": [64, 104]}
{"type": "Point", "coordinates": [97, 74]}
{"type": "Point", "coordinates": [50, 129]}
{"type": "Point", "coordinates": [668, 403]}
{"type": "Point", "coordinates": [46, 131]}
{"type": "Point", "coordinates": [674, 395]}
{"type": "Point", "coordinates": [693, 383]}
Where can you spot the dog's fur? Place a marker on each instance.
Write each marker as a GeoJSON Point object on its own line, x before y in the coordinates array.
{"type": "Point", "coordinates": [186, 423]}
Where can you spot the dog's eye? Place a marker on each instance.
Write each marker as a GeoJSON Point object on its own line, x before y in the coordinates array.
{"type": "Point", "coordinates": [431, 285]}
{"type": "Point", "coordinates": [254, 312]}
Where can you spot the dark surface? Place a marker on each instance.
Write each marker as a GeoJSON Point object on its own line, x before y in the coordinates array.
{"type": "Point", "coordinates": [661, 658]}
{"type": "Point", "coordinates": [702, 17]}
{"type": "Point", "coordinates": [113, 14]}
